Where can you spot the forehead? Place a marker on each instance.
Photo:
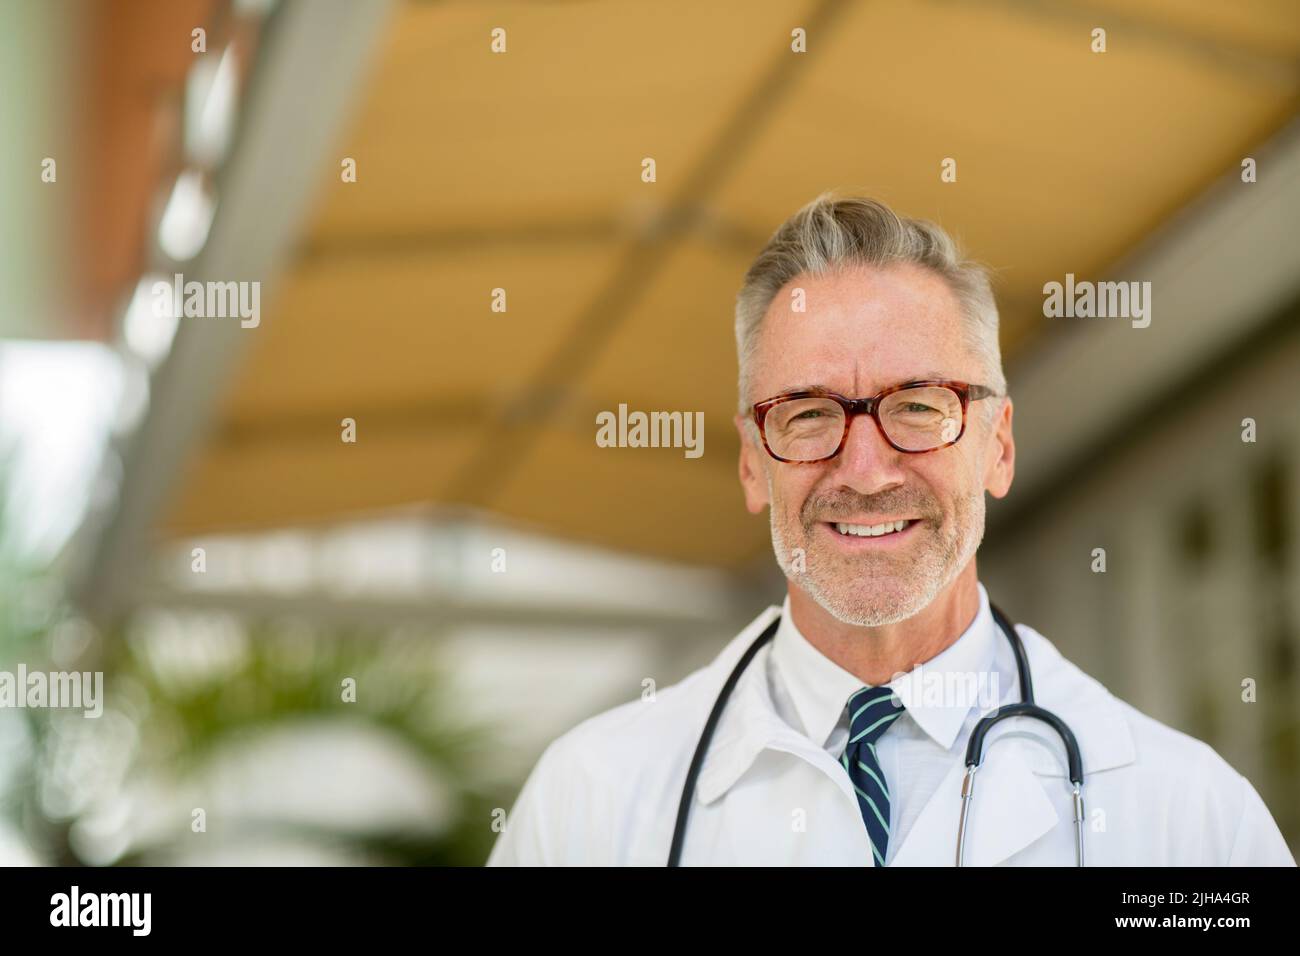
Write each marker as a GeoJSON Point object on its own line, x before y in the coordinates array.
{"type": "Point", "coordinates": [863, 329]}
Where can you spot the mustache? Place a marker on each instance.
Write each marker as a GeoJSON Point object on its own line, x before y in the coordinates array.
{"type": "Point", "coordinates": [843, 503]}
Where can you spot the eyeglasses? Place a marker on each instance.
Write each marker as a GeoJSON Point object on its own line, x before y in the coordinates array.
{"type": "Point", "coordinates": [803, 427]}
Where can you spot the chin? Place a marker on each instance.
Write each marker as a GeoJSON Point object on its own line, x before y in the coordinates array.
{"type": "Point", "coordinates": [881, 605]}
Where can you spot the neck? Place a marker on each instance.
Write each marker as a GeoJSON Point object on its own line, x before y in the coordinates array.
{"type": "Point", "coordinates": [876, 654]}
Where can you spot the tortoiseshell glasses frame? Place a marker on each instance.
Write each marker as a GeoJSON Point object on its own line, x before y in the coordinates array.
{"type": "Point", "coordinates": [965, 392]}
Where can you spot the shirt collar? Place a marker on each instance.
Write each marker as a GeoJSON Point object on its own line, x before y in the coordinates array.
{"type": "Point", "coordinates": [937, 693]}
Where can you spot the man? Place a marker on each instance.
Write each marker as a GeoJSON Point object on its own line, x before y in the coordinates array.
{"type": "Point", "coordinates": [843, 740]}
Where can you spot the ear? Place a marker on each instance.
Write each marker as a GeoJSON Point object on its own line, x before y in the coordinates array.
{"type": "Point", "coordinates": [1002, 462]}
{"type": "Point", "coordinates": [753, 479]}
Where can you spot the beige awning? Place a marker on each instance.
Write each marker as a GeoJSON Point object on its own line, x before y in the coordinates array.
{"type": "Point", "coordinates": [522, 171]}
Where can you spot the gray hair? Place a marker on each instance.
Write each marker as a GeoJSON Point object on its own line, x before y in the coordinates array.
{"type": "Point", "coordinates": [833, 233]}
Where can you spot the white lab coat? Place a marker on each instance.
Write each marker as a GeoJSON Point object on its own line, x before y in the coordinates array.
{"type": "Point", "coordinates": [607, 791]}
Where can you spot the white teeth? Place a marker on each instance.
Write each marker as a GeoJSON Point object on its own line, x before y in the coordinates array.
{"type": "Point", "coordinates": [870, 531]}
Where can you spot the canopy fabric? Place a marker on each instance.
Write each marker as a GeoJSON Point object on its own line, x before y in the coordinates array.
{"type": "Point", "coordinates": [522, 171]}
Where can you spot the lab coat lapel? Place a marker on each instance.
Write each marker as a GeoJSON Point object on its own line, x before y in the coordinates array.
{"type": "Point", "coordinates": [1011, 811]}
{"type": "Point", "coordinates": [750, 724]}
{"type": "Point", "coordinates": [1098, 720]}
{"type": "Point", "coordinates": [1022, 778]}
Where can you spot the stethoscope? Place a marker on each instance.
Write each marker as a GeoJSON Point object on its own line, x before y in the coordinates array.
{"type": "Point", "coordinates": [974, 749]}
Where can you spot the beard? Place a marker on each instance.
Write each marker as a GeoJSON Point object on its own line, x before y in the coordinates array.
{"type": "Point", "coordinates": [873, 589]}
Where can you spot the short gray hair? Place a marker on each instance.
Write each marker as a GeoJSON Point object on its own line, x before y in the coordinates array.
{"type": "Point", "coordinates": [832, 233]}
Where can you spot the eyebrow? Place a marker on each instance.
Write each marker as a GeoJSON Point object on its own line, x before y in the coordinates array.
{"type": "Point", "coordinates": [923, 377]}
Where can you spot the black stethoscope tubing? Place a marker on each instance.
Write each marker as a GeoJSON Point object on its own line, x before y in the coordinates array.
{"type": "Point", "coordinates": [974, 749]}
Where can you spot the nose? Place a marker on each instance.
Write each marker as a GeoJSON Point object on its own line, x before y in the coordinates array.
{"type": "Point", "coordinates": [868, 463]}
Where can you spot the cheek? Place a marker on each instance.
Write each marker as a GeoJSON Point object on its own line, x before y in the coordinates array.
{"type": "Point", "coordinates": [792, 487]}
{"type": "Point", "coordinates": [952, 480]}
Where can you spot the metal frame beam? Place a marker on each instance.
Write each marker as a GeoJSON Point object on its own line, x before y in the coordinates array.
{"type": "Point", "coordinates": [309, 71]}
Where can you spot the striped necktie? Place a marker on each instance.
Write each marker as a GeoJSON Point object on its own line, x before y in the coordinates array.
{"type": "Point", "coordinates": [872, 710]}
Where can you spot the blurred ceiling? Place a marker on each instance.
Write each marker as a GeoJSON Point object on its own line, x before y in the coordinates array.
{"type": "Point", "coordinates": [522, 171]}
{"type": "Point", "coordinates": [134, 86]}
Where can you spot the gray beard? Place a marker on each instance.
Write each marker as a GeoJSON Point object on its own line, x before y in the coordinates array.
{"type": "Point", "coordinates": [854, 599]}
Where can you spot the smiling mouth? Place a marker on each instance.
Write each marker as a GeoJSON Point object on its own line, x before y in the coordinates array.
{"type": "Point", "coordinates": [872, 530]}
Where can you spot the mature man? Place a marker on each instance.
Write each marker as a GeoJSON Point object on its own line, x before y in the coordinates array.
{"type": "Point", "coordinates": [873, 419]}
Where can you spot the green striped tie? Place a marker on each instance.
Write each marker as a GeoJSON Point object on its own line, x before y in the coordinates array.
{"type": "Point", "coordinates": [872, 711]}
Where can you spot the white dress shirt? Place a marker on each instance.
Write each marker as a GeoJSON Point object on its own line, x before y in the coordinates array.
{"type": "Point", "coordinates": [810, 692]}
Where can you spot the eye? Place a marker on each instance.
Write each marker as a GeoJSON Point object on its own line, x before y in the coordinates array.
{"type": "Point", "coordinates": [807, 414]}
